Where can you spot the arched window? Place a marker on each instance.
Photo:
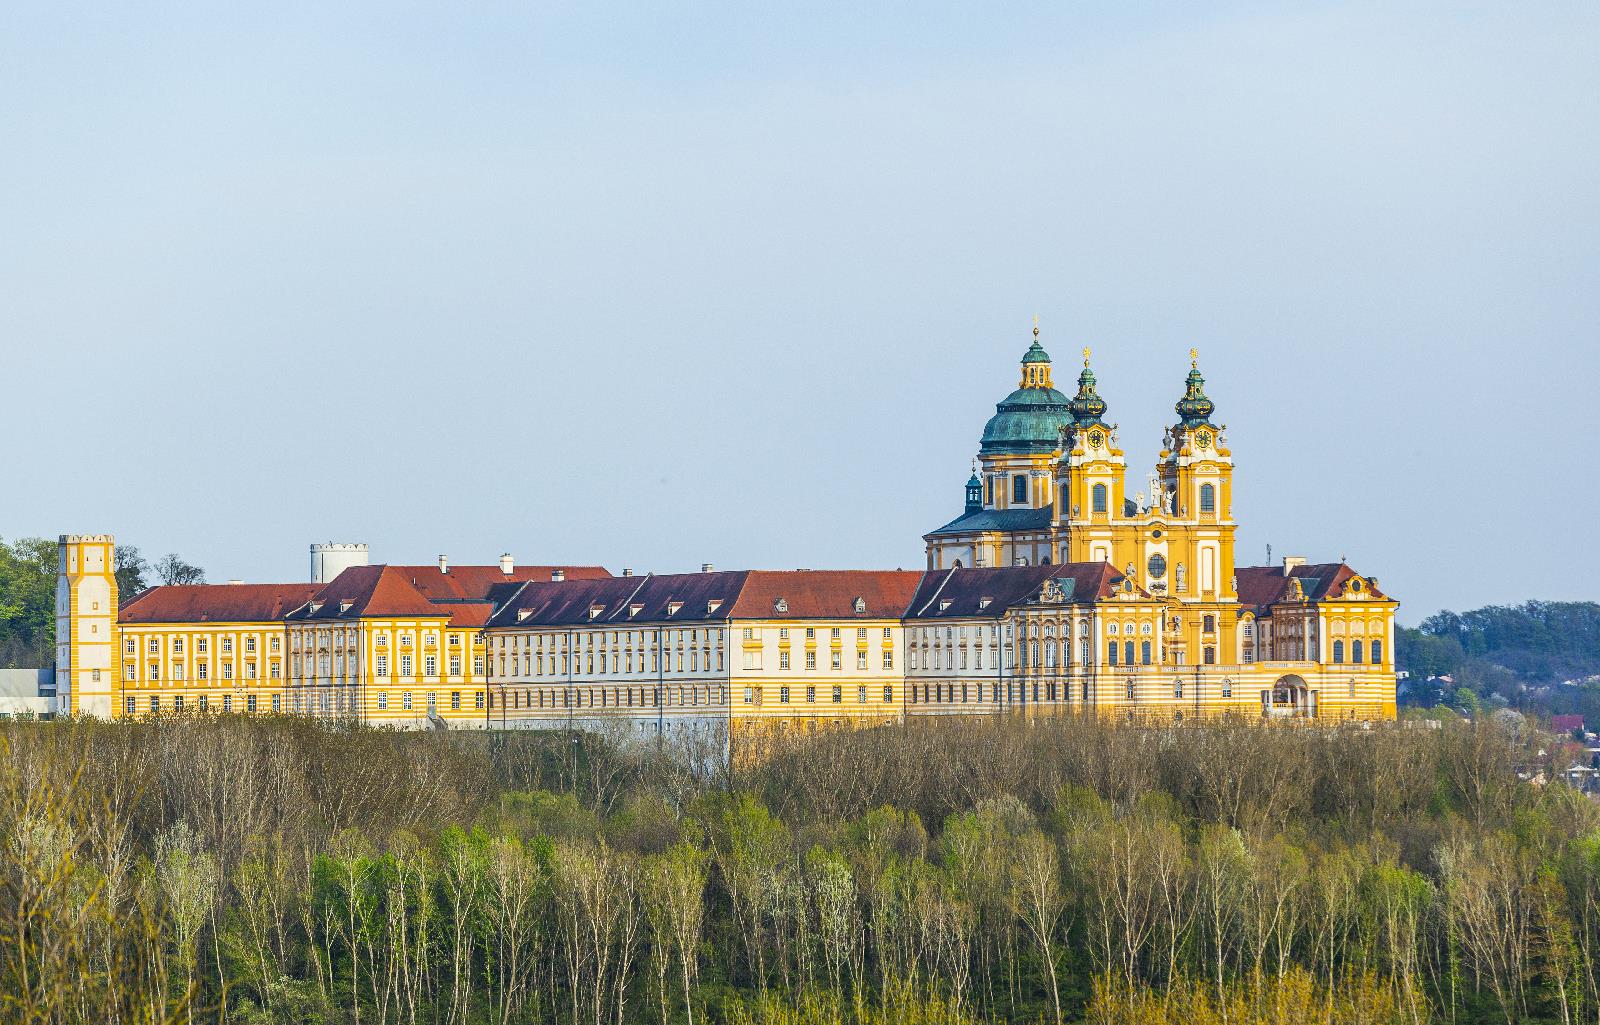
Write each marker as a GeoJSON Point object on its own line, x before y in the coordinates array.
{"type": "Point", "coordinates": [1111, 649]}
{"type": "Point", "coordinates": [1050, 653]}
{"type": "Point", "coordinates": [1208, 498]}
{"type": "Point", "coordinates": [1355, 652]}
{"type": "Point", "coordinates": [1019, 488]}
{"type": "Point", "coordinates": [1227, 687]}
{"type": "Point", "coordinates": [1210, 656]}
{"type": "Point", "coordinates": [1177, 688]}
{"type": "Point", "coordinates": [1130, 689]}
{"type": "Point", "coordinates": [1377, 652]}
{"type": "Point", "coordinates": [1099, 498]}
{"type": "Point", "coordinates": [1127, 651]}
{"type": "Point", "coordinates": [1144, 652]}
{"type": "Point", "coordinates": [1338, 652]}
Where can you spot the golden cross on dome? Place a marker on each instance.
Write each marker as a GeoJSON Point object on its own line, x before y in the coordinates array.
{"type": "Point", "coordinates": [1086, 355]}
{"type": "Point", "coordinates": [1036, 325]}
{"type": "Point", "coordinates": [1194, 359]}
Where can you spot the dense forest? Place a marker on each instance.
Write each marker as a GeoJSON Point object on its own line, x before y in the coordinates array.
{"type": "Point", "coordinates": [1539, 656]}
{"type": "Point", "coordinates": [998, 870]}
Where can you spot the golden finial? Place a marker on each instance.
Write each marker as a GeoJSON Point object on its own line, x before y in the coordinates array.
{"type": "Point", "coordinates": [1086, 355]}
{"type": "Point", "coordinates": [1036, 325]}
{"type": "Point", "coordinates": [1194, 359]}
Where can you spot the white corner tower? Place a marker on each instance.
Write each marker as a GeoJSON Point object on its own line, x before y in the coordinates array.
{"type": "Point", "coordinates": [86, 623]}
{"type": "Point", "coordinates": [331, 559]}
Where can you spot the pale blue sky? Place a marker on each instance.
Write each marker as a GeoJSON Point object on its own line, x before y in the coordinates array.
{"type": "Point", "coordinates": [656, 285]}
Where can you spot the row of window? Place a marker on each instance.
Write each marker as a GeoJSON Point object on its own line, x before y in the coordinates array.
{"type": "Point", "coordinates": [517, 698]}
{"type": "Point", "coordinates": [1355, 652]}
{"type": "Point", "coordinates": [753, 695]}
{"type": "Point", "coordinates": [130, 645]}
{"type": "Point", "coordinates": [202, 671]}
{"type": "Point", "coordinates": [753, 660]}
{"type": "Point", "coordinates": [131, 705]}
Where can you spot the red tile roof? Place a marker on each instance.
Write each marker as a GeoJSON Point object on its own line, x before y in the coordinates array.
{"type": "Point", "coordinates": [476, 582]}
{"type": "Point", "coordinates": [215, 603]}
{"type": "Point", "coordinates": [1266, 585]}
{"type": "Point", "coordinates": [368, 591]}
{"type": "Point", "coordinates": [826, 594]}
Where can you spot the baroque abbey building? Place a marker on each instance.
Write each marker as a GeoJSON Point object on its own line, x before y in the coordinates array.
{"type": "Point", "coordinates": [1052, 593]}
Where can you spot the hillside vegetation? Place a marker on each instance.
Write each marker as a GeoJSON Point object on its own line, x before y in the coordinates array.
{"type": "Point", "coordinates": [264, 870]}
{"type": "Point", "coordinates": [1540, 657]}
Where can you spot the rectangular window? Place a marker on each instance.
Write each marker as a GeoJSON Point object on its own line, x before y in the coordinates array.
{"type": "Point", "coordinates": [455, 699]}
{"type": "Point", "coordinates": [478, 699]}
{"type": "Point", "coordinates": [838, 694]}
{"type": "Point", "coordinates": [430, 665]}
{"type": "Point", "coordinates": [861, 661]}
{"type": "Point", "coordinates": [1111, 651]}
{"type": "Point", "coordinates": [834, 633]}
{"type": "Point", "coordinates": [1211, 656]}
{"type": "Point", "coordinates": [1019, 489]}
{"type": "Point", "coordinates": [405, 700]}
{"type": "Point", "coordinates": [128, 705]}
{"type": "Point", "coordinates": [177, 703]}
{"type": "Point", "coordinates": [383, 700]}
{"type": "Point", "coordinates": [227, 670]}
{"type": "Point", "coordinates": [130, 646]}
{"type": "Point", "coordinates": [455, 665]}
{"type": "Point", "coordinates": [155, 704]}
{"type": "Point", "coordinates": [888, 660]}
{"type": "Point", "coordinates": [249, 702]}
{"type": "Point", "coordinates": [783, 660]}
{"type": "Point", "coordinates": [783, 695]}
{"type": "Point", "coordinates": [888, 693]}
{"type": "Point", "coordinates": [811, 693]}
{"type": "Point", "coordinates": [177, 671]}
{"type": "Point", "coordinates": [838, 661]}
{"type": "Point", "coordinates": [405, 665]}
{"type": "Point", "coordinates": [750, 660]}
{"type": "Point", "coordinates": [383, 665]}
{"type": "Point", "coordinates": [129, 671]}
{"type": "Point", "coordinates": [811, 635]}
{"type": "Point", "coordinates": [811, 660]}
{"type": "Point", "coordinates": [861, 695]}
{"type": "Point", "coordinates": [277, 703]}
{"type": "Point", "coordinates": [227, 702]}
{"type": "Point", "coordinates": [749, 695]}
{"type": "Point", "coordinates": [227, 645]}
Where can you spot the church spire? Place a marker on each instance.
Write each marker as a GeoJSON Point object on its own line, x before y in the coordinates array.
{"type": "Point", "coordinates": [1087, 406]}
{"type": "Point", "coordinates": [1194, 408]}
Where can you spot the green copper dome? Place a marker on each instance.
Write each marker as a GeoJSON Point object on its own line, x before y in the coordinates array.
{"type": "Point", "coordinates": [1194, 408]}
{"type": "Point", "coordinates": [1030, 419]}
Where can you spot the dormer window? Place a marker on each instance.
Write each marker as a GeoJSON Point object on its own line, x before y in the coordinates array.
{"type": "Point", "coordinates": [595, 610]}
{"type": "Point", "coordinates": [634, 609]}
{"type": "Point", "coordinates": [781, 605]}
{"type": "Point", "coordinates": [523, 614]}
{"type": "Point", "coordinates": [945, 604]}
{"type": "Point", "coordinates": [315, 606]}
{"type": "Point", "coordinates": [861, 605]}
{"type": "Point", "coordinates": [344, 607]}
{"type": "Point", "coordinates": [983, 603]}
{"type": "Point", "coordinates": [673, 607]}
{"type": "Point", "coordinates": [713, 605]}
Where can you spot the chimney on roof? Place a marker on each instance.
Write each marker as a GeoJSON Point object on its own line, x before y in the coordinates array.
{"type": "Point", "coordinates": [507, 564]}
{"type": "Point", "coordinates": [1292, 562]}
{"type": "Point", "coordinates": [627, 572]}
{"type": "Point", "coordinates": [558, 575]}
{"type": "Point", "coordinates": [706, 567]}
{"type": "Point", "coordinates": [444, 564]}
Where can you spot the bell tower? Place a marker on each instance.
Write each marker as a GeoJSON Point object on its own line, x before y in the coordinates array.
{"type": "Point", "coordinates": [1195, 474]}
{"type": "Point", "coordinates": [1089, 478]}
{"type": "Point", "coordinates": [86, 623]}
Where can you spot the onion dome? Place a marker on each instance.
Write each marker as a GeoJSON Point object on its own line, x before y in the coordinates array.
{"type": "Point", "coordinates": [1194, 408]}
{"type": "Point", "coordinates": [1087, 406]}
{"type": "Point", "coordinates": [1029, 420]}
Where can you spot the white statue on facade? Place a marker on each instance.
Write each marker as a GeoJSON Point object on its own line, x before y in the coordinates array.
{"type": "Point", "coordinates": [1183, 577]}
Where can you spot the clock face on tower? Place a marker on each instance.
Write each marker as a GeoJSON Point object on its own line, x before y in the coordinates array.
{"type": "Point", "coordinates": [1096, 439]}
{"type": "Point", "coordinates": [1202, 439]}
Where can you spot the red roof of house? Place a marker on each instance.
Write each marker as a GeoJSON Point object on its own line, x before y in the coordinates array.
{"type": "Point", "coordinates": [215, 603]}
{"type": "Point", "coordinates": [826, 593]}
{"type": "Point", "coordinates": [368, 591]}
{"type": "Point", "coordinates": [1267, 585]}
{"type": "Point", "coordinates": [476, 582]}
{"type": "Point", "coordinates": [1566, 723]}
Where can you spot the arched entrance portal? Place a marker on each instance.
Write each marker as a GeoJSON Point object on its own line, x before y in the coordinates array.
{"type": "Point", "coordinates": [1289, 698]}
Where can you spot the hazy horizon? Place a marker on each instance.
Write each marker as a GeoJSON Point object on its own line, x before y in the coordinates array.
{"type": "Point", "coordinates": [652, 287]}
